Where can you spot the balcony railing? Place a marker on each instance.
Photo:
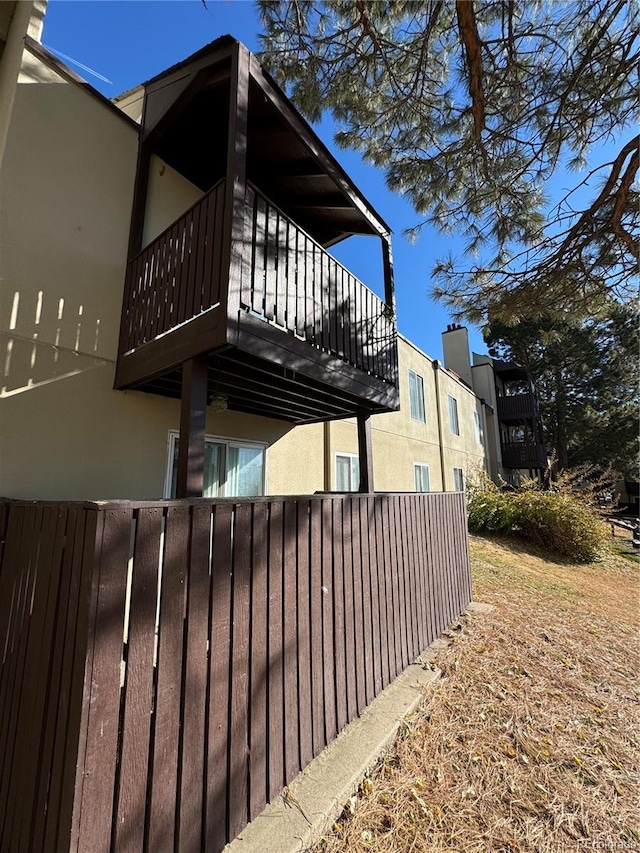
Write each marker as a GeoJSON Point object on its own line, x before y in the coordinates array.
{"type": "Point", "coordinates": [523, 454]}
{"type": "Point", "coordinates": [288, 280]}
{"type": "Point", "coordinates": [177, 276]}
{"type": "Point", "coordinates": [293, 283]}
{"type": "Point", "coordinates": [517, 407]}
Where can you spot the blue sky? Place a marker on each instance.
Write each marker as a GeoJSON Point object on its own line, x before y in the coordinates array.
{"type": "Point", "coordinates": [129, 42]}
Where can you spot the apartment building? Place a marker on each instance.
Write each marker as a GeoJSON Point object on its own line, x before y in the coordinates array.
{"type": "Point", "coordinates": [89, 413]}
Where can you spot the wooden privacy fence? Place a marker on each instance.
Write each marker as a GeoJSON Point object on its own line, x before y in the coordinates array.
{"type": "Point", "coordinates": [168, 667]}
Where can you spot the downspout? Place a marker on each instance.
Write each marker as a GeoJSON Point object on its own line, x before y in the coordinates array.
{"type": "Point", "coordinates": [11, 61]}
{"type": "Point", "coordinates": [436, 375]}
{"type": "Point", "coordinates": [326, 444]}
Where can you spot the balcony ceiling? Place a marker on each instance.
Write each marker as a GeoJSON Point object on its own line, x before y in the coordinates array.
{"type": "Point", "coordinates": [254, 386]}
{"type": "Point", "coordinates": [285, 159]}
{"type": "Point", "coordinates": [507, 371]}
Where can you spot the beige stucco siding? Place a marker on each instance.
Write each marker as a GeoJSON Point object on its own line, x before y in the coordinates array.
{"type": "Point", "coordinates": [96, 443]}
{"type": "Point", "coordinates": [399, 441]}
{"type": "Point", "coordinates": [169, 194]}
{"type": "Point", "coordinates": [463, 450]}
{"type": "Point", "coordinates": [65, 191]}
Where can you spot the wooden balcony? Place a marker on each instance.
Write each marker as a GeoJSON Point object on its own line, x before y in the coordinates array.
{"type": "Point", "coordinates": [523, 454]}
{"type": "Point", "coordinates": [290, 308]}
{"type": "Point", "coordinates": [517, 408]}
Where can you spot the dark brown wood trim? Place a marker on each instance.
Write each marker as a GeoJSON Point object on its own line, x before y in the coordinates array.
{"type": "Point", "coordinates": [261, 339]}
{"type": "Point", "coordinates": [174, 106]}
{"type": "Point", "coordinates": [365, 452]}
{"type": "Point", "coordinates": [299, 125]}
{"type": "Point", "coordinates": [235, 206]}
{"type": "Point", "coordinates": [202, 334]}
{"type": "Point", "coordinates": [136, 229]}
{"type": "Point", "coordinates": [387, 265]}
{"type": "Point", "coordinates": [212, 53]}
{"type": "Point", "coordinates": [193, 416]}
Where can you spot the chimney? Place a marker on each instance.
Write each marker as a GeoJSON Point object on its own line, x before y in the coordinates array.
{"type": "Point", "coordinates": [455, 349]}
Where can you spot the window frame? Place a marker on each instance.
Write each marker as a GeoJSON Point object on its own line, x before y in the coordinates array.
{"type": "Point", "coordinates": [453, 415]}
{"type": "Point", "coordinates": [351, 457]}
{"type": "Point", "coordinates": [415, 416]}
{"type": "Point", "coordinates": [455, 489]}
{"type": "Point", "coordinates": [477, 422]}
{"type": "Point", "coordinates": [419, 466]}
{"type": "Point", "coordinates": [227, 443]}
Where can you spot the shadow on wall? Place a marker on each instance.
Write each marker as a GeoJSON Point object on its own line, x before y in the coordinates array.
{"type": "Point", "coordinates": [48, 338]}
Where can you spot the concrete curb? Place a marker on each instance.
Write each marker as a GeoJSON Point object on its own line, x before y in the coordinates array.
{"type": "Point", "coordinates": [304, 812]}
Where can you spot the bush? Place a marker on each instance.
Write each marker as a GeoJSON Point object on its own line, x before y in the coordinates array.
{"type": "Point", "coordinates": [561, 520]}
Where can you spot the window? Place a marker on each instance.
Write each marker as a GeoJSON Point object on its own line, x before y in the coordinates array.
{"type": "Point", "coordinates": [421, 476]}
{"type": "Point", "coordinates": [416, 397]}
{"type": "Point", "coordinates": [478, 427]}
{"type": "Point", "coordinates": [454, 426]}
{"type": "Point", "coordinates": [231, 468]}
{"type": "Point", "coordinates": [347, 472]}
{"type": "Point", "coordinates": [458, 480]}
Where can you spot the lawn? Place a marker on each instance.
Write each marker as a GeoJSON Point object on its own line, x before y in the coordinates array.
{"type": "Point", "coordinates": [530, 740]}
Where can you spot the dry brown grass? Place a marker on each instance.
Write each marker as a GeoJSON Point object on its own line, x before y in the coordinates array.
{"type": "Point", "coordinates": [529, 743]}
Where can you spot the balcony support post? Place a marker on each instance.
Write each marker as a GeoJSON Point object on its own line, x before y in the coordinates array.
{"type": "Point", "coordinates": [193, 413]}
{"type": "Point", "coordinates": [236, 186]}
{"type": "Point", "coordinates": [365, 453]}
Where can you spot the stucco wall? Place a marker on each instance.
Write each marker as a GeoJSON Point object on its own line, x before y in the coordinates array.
{"type": "Point", "coordinates": [168, 196]}
{"type": "Point", "coordinates": [398, 441]}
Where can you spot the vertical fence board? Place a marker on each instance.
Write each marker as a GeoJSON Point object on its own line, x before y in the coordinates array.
{"type": "Point", "coordinates": [400, 566]}
{"type": "Point", "coordinates": [54, 834]}
{"type": "Point", "coordinates": [304, 636]}
{"type": "Point", "coordinates": [358, 605]}
{"type": "Point", "coordinates": [258, 732]}
{"type": "Point", "coordinates": [432, 568]}
{"type": "Point", "coordinates": [219, 686]}
{"type": "Point", "coordinates": [47, 687]}
{"type": "Point", "coordinates": [34, 683]}
{"type": "Point", "coordinates": [239, 679]}
{"type": "Point", "coordinates": [385, 633]}
{"type": "Point", "coordinates": [164, 755]}
{"type": "Point", "coordinates": [96, 807]}
{"type": "Point", "coordinates": [416, 506]}
{"type": "Point", "coordinates": [290, 650]}
{"type": "Point", "coordinates": [195, 683]}
{"type": "Point", "coordinates": [412, 585]}
{"type": "Point", "coordinates": [339, 616]}
{"type": "Point", "coordinates": [316, 602]}
{"type": "Point", "coordinates": [328, 633]}
{"type": "Point", "coordinates": [55, 713]}
{"type": "Point", "coordinates": [370, 600]}
{"type": "Point", "coordinates": [349, 614]}
{"type": "Point", "coordinates": [27, 564]}
{"type": "Point", "coordinates": [138, 698]}
{"type": "Point", "coordinates": [276, 657]}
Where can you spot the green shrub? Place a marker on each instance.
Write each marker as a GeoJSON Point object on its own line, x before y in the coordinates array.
{"type": "Point", "coordinates": [560, 519]}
